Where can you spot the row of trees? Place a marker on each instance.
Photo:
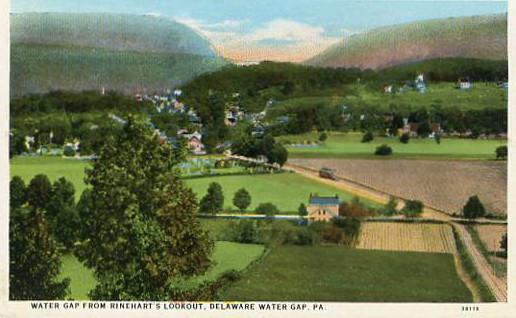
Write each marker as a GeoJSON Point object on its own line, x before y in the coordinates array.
{"type": "Point", "coordinates": [213, 201]}
{"type": "Point", "coordinates": [372, 118]}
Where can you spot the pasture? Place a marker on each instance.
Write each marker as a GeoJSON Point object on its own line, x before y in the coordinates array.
{"type": "Point", "coordinates": [349, 145]}
{"type": "Point", "coordinates": [53, 167]}
{"type": "Point", "coordinates": [407, 237]}
{"type": "Point", "coordinates": [285, 190]}
{"type": "Point", "coordinates": [330, 273]}
{"type": "Point", "coordinates": [444, 94]}
{"type": "Point", "coordinates": [445, 185]}
{"type": "Point", "coordinates": [226, 256]}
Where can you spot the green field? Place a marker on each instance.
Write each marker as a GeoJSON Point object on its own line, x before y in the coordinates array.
{"type": "Point", "coordinates": [53, 167]}
{"type": "Point", "coordinates": [82, 279]}
{"type": "Point", "coordinates": [291, 273]}
{"type": "Point", "coordinates": [349, 145]}
{"type": "Point", "coordinates": [285, 190]}
{"type": "Point", "coordinates": [482, 95]}
{"type": "Point", "coordinates": [226, 256]}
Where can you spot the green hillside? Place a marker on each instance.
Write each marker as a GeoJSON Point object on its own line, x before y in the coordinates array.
{"type": "Point", "coordinates": [90, 51]}
{"type": "Point", "coordinates": [483, 37]}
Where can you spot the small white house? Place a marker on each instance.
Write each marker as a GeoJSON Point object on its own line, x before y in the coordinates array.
{"type": "Point", "coordinates": [464, 84]}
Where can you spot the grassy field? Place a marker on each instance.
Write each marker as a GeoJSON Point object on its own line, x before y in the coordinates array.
{"type": "Point", "coordinates": [82, 279]}
{"type": "Point", "coordinates": [342, 145]}
{"type": "Point", "coordinates": [53, 167]}
{"type": "Point", "coordinates": [286, 190]}
{"type": "Point", "coordinates": [291, 273]}
{"type": "Point", "coordinates": [226, 256]}
{"type": "Point", "coordinates": [444, 94]}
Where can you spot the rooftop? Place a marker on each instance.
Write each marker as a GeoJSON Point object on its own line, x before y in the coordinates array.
{"type": "Point", "coordinates": [318, 200]}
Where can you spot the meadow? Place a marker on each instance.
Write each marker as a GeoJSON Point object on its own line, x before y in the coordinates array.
{"type": "Point", "coordinates": [286, 190]}
{"type": "Point", "coordinates": [349, 145]}
{"type": "Point", "coordinates": [327, 273]}
{"type": "Point", "coordinates": [226, 256]}
{"type": "Point", "coordinates": [53, 167]}
{"type": "Point", "coordinates": [444, 94]}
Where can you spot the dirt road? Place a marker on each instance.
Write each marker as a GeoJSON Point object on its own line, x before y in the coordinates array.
{"type": "Point", "coordinates": [498, 286]}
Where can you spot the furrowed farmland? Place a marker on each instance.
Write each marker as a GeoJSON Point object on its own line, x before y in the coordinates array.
{"type": "Point", "coordinates": [413, 237]}
{"type": "Point", "coordinates": [491, 235]}
{"type": "Point", "coordinates": [444, 185]}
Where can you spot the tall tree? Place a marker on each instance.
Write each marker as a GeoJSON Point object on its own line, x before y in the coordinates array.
{"type": "Point", "coordinates": [213, 201]}
{"type": "Point", "coordinates": [302, 210]}
{"type": "Point", "coordinates": [17, 192]}
{"type": "Point", "coordinates": [242, 199]}
{"type": "Point", "coordinates": [139, 231]}
{"type": "Point", "coordinates": [62, 195]}
{"type": "Point", "coordinates": [34, 260]}
{"type": "Point", "coordinates": [39, 191]}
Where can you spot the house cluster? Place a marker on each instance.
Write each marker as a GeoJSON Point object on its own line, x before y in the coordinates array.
{"type": "Point", "coordinates": [412, 129]}
{"type": "Point", "coordinates": [169, 102]}
{"type": "Point", "coordinates": [194, 141]}
{"type": "Point", "coordinates": [419, 84]}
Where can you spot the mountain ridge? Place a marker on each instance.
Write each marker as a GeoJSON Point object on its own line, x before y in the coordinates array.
{"type": "Point", "coordinates": [483, 37]}
{"type": "Point", "coordinates": [127, 53]}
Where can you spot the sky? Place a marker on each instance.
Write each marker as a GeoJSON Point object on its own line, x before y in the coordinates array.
{"type": "Point", "coordinates": [282, 30]}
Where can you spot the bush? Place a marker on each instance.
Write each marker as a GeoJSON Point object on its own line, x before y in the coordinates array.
{"type": "Point", "coordinates": [368, 137]}
{"type": "Point", "coordinates": [503, 245]}
{"type": "Point", "coordinates": [323, 136]}
{"type": "Point", "coordinates": [301, 210]}
{"type": "Point", "coordinates": [383, 150]}
{"type": "Point", "coordinates": [268, 209]}
{"type": "Point", "coordinates": [404, 138]}
{"type": "Point", "coordinates": [412, 208]}
{"type": "Point", "coordinates": [355, 209]}
{"type": "Point", "coordinates": [501, 152]}
{"type": "Point", "coordinates": [247, 232]}
{"type": "Point", "coordinates": [390, 207]}
{"type": "Point", "coordinates": [69, 152]}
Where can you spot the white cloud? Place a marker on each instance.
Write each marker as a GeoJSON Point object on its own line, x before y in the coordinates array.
{"type": "Point", "coordinates": [287, 30]}
{"type": "Point", "coordinates": [279, 39]}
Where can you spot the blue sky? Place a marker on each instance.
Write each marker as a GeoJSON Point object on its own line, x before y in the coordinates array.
{"type": "Point", "coordinates": [268, 27]}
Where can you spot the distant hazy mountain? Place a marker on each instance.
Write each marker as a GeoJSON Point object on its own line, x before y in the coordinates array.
{"type": "Point", "coordinates": [89, 51]}
{"type": "Point", "coordinates": [483, 37]}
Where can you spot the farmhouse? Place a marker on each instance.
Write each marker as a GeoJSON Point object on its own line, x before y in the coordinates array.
{"type": "Point", "coordinates": [323, 209]}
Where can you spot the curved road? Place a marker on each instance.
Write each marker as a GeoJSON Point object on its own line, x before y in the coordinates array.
{"type": "Point", "coordinates": [497, 285]}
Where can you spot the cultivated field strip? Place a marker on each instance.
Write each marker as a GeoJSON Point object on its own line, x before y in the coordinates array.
{"type": "Point", "coordinates": [444, 185]}
{"type": "Point", "coordinates": [491, 235]}
{"type": "Point", "coordinates": [408, 237]}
